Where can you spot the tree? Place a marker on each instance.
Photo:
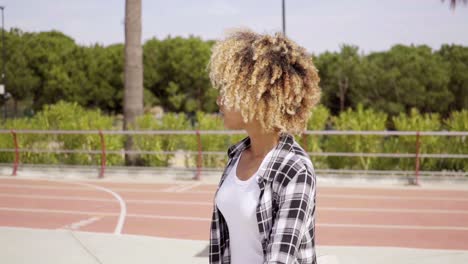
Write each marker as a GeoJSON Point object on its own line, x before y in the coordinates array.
{"type": "Point", "coordinates": [175, 71]}
{"type": "Point", "coordinates": [133, 96]}
{"type": "Point", "coordinates": [102, 86]}
{"type": "Point", "coordinates": [341, 77]}
{"type": "Point", "coordinates": [47, 54]}
{"type": "Point", "coordinates": [47, 67]}
{"type": "Point", "coordinates": [457, 58]}
{"type": "Point", "coordinates": [18, 67]}
{"type": "Point", "coordinates": [410, 77]}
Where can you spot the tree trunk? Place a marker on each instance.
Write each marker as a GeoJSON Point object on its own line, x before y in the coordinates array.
{"type": "Point", "coordinates": [343, 86]}
{"type": "Point", "coordinates": [15, 107]}
{"type": "Point", "coordinates": [133, 97]}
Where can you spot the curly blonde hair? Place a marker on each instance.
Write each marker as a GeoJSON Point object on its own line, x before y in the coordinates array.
{"type": "Point", "coordinates": [267, 77]}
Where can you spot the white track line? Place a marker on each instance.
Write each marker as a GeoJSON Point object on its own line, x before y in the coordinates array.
{"type": "Point", "coordinates": [175, 188]}
{"type": "Point", "coordinates": [391, 210]}
{"type": "Point", "coordinates": [159, 201]}
{"type": "Point", "coordinates": [123, 207]}
{"type": "Point", "coordinates": [381, 197]}
{"type": "Point", "coordinates": [326, 186]}
{"type": "Point", "coordinates": [202, 219]}
{"type": "Point", "coordinates": [74, 198]}
{"type": "Point", "coordinates": [414, 227]}
{"type": "Point", "coordinates": [172, 188]}
{"type": "Point", "coordinates": [34, 210]}
{"type": "Point", "coordinates": [41, 186]}
{"type": "Point", "coordinates": [188, 187]}
{"type": "Point", "coordinates": [169, 189]}
{"type": "Point", "coordinates": [82, 223]}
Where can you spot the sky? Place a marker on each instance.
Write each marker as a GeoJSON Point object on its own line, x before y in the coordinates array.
{"type": "Point", "coordinates": [317, 25]}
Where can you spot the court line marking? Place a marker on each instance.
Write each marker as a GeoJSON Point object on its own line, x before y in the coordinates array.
{"type": "Point", "coordinates": [188, 187]}
{"type": "Point", "coordinates": [79, 224]}
{"type": "Point", "coordinates": [123, 207]}
{"type": "Point", "coordinates": [381, 197]}
{"type": "Point", "coordinates": [159, 201]}
{"type": "Point", "coordinates": [391, 210]}
{"type": "Point", "coordinates": [169, 189]}
{"type": "Point", "coordinates": [74, 198]}
{"type": "Point", "coordinates": [34, 210]}
{"type": "Point", "coordinates": [423, 188]}
{"type": "Point", "coordinates": [203, 219]}
{"type": "Point", "coordinates": [395, 227]}
{"type": "Point", "coordinates": [172, 188]}
{"type": "Point", "coordinates": [372, 197]}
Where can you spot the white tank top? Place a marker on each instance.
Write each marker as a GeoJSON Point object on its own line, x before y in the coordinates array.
{"type": "Point", "coordinates": [237, 200]}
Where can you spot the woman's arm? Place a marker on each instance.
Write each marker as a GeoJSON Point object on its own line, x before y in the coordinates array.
{"type": "Point", "coordinates": [296, 206]}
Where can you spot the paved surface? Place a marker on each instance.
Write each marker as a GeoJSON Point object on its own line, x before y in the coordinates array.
{"type": "Point", "coordinates": [77, 221]}
{"type": "Point", "coordinates": [23, 245]}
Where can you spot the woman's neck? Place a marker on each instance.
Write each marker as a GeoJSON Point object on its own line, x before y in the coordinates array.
{"type": "Point", "coordinates": [262, 143]}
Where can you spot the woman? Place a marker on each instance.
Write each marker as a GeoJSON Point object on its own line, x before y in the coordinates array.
{"type": "Point", "coordinates": [264, 208]}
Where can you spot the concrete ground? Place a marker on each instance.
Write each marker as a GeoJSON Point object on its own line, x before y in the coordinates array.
{"type": "Point", "coordinates": [36, 246]}
{"type": "Point", "coordinates": [24, 245]}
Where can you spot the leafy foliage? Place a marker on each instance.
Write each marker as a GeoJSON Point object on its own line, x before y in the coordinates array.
{"type": "Point", "coordinates": [358, 120]}
{"type": "Point", "coordinates": [71, 116]}
{"type": "Point", "coordinates": [45, 67]}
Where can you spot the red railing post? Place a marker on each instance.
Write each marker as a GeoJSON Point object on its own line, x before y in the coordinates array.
{"type": "Point", "coordinates": [199, 159]}
{"type": "Point", "coordinates": [418, 145]}
{"type": "Point", "coordinates": [103, 154]}
{"type": "Point", "coordinates": [15, 141]}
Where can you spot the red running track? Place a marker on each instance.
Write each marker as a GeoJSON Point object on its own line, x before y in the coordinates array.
{"type": "Point", "coordinates": [346, 216]}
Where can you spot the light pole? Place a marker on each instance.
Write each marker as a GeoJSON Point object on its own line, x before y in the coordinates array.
{"type": "Point", "coordinates": [3, 92]}
{"type": "Point", "coordinates": [284, 17]}
{"type": "Point", "coordinates": [3, 45]}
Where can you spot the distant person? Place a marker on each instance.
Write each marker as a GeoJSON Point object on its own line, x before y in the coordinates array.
{"type": "Point", "coordinates": [264, 207]}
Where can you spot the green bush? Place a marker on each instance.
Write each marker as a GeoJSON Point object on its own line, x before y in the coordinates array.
{"type": "Point", "coordinates": [71, 116]}
{"type": "Point", "coordinates": [210, 142]}
{"type": "Point", "coordinates": [169, 121]}
{"type": "Point", "coordinates": [24, 140]}
{"type": "Point", "coordinates": [356, 120]}
{"type": "Point", "coordinates": [65, 116]}
{"type": "Point", "coordinates": [314, 143]}
{"type": "Point", "coordinates": [458, 121]}
{"type": "Point", "coordinates": [407, 144]}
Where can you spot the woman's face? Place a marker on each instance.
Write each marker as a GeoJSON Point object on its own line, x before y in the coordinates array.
{"type": "Point", "coordinates": [232, 119]}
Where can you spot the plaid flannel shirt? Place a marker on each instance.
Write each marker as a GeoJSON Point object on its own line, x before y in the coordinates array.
{"type": "Point", "coordinates": [286, 208]}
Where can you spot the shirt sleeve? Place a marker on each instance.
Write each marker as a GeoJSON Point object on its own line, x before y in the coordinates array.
{"type": "Point", "coordinates": [296, 207]}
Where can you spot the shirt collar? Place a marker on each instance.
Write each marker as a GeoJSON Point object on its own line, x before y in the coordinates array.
{"type": "Point", "coordinates": [284, 145]}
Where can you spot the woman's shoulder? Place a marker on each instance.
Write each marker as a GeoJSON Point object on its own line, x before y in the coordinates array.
{"type": "Point", "coordinates": [294, 163]}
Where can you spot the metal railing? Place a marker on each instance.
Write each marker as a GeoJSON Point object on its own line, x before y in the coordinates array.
{"type": "Point", "coordinates": [103, 151]}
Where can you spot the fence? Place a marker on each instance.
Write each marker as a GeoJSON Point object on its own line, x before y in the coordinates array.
{"type": "Point", "coordinates": [416, 155]}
